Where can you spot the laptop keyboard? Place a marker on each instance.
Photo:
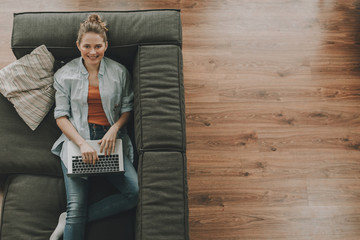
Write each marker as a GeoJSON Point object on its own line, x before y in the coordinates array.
{"type": "Point", "coordinates": [105, 164]}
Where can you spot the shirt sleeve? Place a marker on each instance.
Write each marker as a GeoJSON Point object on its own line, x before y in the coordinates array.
{"type": "Point", "coordinates": [128, 94]}
{"type": "Point", "coordinates": [62, 98]}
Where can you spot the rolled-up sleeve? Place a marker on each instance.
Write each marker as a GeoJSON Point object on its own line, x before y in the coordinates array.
{"type": "Point", "coordinates": [62, 99]}
{"type": "Point", "coordinates": [127, 100]}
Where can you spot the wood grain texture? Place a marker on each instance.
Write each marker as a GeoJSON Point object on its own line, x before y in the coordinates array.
{"type": "Point", "coordinates": [272, 108]}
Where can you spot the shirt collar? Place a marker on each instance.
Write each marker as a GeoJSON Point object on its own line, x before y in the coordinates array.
{"type": "Point", "coordinates": [83, 68]}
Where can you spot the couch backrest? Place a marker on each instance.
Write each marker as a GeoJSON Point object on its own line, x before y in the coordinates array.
{"type": "Point", "coordinates": [127, 30]}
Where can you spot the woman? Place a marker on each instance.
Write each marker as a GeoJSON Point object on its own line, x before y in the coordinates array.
{"type": "Point", "coordinates": [93, 101]}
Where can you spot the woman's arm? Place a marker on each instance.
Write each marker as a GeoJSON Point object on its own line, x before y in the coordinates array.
{"type": "Point", "coordinates": [88, 153]}
{"type": "Point", "coordinates": [108, 141]}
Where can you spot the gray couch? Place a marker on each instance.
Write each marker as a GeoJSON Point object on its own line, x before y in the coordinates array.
{"type": "Point", "coordinates": [148, 43]}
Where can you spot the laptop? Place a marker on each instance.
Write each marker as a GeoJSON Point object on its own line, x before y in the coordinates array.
{"type": "Point", "coordinates": [111, 164]}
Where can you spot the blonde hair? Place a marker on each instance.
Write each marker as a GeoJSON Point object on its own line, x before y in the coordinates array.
{"type": "Point", "coordinates": [93, 24]}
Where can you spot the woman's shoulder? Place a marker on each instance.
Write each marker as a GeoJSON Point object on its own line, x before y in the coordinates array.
{"type": "Point", "coordinates": [68, 69]}
{"type": "Point", "coordinates": [114, 65]}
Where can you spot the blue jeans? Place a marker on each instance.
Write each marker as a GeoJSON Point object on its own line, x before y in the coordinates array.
{"type": "Point", "coordinates": [78, 211]}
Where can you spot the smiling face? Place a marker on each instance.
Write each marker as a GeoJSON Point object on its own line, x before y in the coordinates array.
{"type": "Point", "coordinates": [92, 47]}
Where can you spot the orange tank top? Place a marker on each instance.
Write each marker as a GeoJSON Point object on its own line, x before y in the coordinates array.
{"type": "Point", "coordinates": [96, 113]}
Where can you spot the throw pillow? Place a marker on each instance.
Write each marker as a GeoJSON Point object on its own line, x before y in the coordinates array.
{"type": "Point", "coordinates": [28, 84]}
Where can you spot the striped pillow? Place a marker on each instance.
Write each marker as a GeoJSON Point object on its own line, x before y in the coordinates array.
{"type": "Point", "coordinates": [28, 84]}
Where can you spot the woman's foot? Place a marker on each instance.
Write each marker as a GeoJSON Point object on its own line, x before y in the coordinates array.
{"type": "Point", "coordinates": [59, 230]}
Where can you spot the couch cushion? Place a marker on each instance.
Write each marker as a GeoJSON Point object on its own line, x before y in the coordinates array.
{"type": "Point", "coordinates": [32, 205]}
{"type": "Point", "coordinates": [26, 215]}
{"type": "Point", "coordinates": [159, 99]}
{"type": "Point", "coordinates": [162, 209]}
{"type": "Point", "coordinates": [24, 150]}
{"type": "Point", "coordinates": [27, 84]}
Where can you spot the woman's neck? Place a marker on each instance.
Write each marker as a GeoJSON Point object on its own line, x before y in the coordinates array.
{"type": "Point", "coordinates": [92, 69]}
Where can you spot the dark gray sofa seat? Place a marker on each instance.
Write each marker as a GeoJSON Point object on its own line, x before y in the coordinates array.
{"type": "Point", "coordinates": [160, 137]}
{"type": "Point", "coordinates": [148, 43]}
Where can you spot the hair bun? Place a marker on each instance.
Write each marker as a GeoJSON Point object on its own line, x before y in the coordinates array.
{"type": "Point", "coordinates": [95, 18]}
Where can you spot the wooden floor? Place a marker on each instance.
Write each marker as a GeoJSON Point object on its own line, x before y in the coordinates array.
{"type": "Point", "coordinates": [273, 113]}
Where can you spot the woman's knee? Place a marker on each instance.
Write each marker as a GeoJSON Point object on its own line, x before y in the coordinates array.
{"type": "Point", "coordinates": [133, 195]}
{"type": "Point", "coordinates": [76, 210]}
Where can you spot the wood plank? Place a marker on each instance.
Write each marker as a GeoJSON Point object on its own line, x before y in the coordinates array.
{"type": "Point", "coordinates": [276, 223]}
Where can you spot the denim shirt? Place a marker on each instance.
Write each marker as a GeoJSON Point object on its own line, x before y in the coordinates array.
{"type": "Point", "coordinates": [71, 85]}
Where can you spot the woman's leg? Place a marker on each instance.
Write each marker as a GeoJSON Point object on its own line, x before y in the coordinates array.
{"type": "Point", "coordinates": [76, 195]}
{"type": "Point", "coordinates": [126, 199]}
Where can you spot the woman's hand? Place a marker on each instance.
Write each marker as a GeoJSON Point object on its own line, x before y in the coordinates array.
{"type": "Point", "coordinates": [107, 143]}
{"type": "Point", "coordinates": [88, 153]}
